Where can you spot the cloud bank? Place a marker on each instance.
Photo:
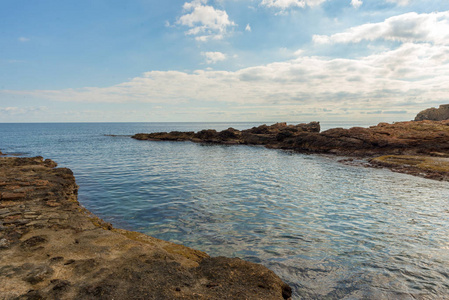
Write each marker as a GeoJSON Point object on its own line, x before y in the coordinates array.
{"type": "Point", "coordinates": [410, 27]}
{"type": "Point", "coordinates": [407, 76]}
{"type": "Point", "coordinates": [412, 72]}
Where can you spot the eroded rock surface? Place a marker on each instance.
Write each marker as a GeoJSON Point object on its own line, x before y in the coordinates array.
{"type": "Point", "coordinates": [52, 248]}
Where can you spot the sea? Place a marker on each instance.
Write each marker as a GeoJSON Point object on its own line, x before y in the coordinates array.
{"type": "Point", "coordinates": [330, 230]}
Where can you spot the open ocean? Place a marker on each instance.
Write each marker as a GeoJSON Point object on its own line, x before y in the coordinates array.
{"type": "Point", "coordinates": [329, 230]}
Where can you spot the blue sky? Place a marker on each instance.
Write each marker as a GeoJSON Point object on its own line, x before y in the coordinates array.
{"type": "Point", "coordinates": [223, 60]}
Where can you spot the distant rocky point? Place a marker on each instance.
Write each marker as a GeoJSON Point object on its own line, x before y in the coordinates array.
{"type": "Point", "coordinates": [262, 135]}
{"type": "Point", "coordinates": [434, 114]}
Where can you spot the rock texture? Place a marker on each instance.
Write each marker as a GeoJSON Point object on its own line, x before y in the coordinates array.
{"type": "Point", "coordinates": [429, 138]}
{"type": "Point", "coordinates": [52, 248]}
{"type": "Point", "coordinates": [434, 114]}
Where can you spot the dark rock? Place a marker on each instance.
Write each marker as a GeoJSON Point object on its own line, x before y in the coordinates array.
{"type": "Point", "coordinates": [33, 242]}
{"type": "Point", "coordinates": [56, 259]}
{"type": "Point", "coordinates": [228, 134]}
{"type": "Point", "coordinates": [39, 274]}
{"type": "Point", "coordinates": [69, 262]}
{"type": "Point", "coordinates": [85, 266]}
{"type": "Point", "coordinates": [31, 295]}
{"type": "Point", "coordinates": [206, 135]}
{"type": "Point", "coordinates": [60, 284]}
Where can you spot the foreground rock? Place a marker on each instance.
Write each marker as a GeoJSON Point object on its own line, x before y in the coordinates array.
{"type": "Point", "coordinates": [429, 138]}
{"type": "Point", "coordinates": [52, 248]}
{"type": "Point", "coordinates": [434, 114]}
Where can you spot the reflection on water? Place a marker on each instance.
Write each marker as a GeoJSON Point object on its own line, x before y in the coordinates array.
{"type": "Point", "coordinates": [328, 229]}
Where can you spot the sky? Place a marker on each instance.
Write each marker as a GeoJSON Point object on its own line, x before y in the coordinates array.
{"type": "Point", "coordinates": [222, 60]}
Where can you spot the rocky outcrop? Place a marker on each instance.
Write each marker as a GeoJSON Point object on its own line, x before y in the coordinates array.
{"type": "Point", "coordinates": [262, 135]}
{"type": "Point", "coordinates": [52, 248]}
{"type": "Point", "coordinates": [423, 137]}
{"type": "Point", "coordinates": [434, 114]}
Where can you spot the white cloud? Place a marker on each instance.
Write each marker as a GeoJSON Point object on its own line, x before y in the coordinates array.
{"type": "Point", "coordinates": [409, 27]}
{"type": "Point", "coordinates": [213, 57]}
{"type": "Point", "coordinates": [405, 78]}
{"type": "Point", "coordinates": [23, 39]}
{"type": "Point", "coordinates": [356, 3]}
{"type": "Point", "coordinates": [205, 22]}
{"type": "Point", "coordinates": [284, 4]}
{"type": "Point", "coordinates": [248, 28]}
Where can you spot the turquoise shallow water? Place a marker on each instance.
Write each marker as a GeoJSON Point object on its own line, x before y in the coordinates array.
{"type": "Point", "coordinates": [329, 230]}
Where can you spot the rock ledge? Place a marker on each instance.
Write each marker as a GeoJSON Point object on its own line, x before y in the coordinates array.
{"type": "Point", "coordinates": [52, 248]}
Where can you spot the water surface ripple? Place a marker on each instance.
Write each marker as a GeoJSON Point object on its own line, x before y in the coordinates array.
{"type": "Point", "coordinates": [329, 230]}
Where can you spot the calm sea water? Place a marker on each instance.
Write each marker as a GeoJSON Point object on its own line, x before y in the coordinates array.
{"type": "Point", "coordinates": [329, 230]}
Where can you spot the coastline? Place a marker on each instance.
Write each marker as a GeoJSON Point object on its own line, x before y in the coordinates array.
{"type": "Point", "coordinates": [53, 248]}
{"type": "Point", "coordinates": [419, 148]}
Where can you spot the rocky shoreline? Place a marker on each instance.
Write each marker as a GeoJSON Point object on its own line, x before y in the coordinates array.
{"type": "Point", "coordinates": [53, 248]}
{"type": "Point", "coordinates": [425, 141]}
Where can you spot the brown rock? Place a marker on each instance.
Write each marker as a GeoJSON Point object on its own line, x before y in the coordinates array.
{"type": "Point", "coordinates": [12, 196]}
{"type": "Point", "coordinates": [434, 114]}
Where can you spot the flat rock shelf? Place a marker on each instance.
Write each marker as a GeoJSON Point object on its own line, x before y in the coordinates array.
{"type": "Point", "coordinates": [53, 248]}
